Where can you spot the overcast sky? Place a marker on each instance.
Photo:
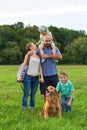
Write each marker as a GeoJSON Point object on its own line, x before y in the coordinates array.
{"type": "Point", "coordinates": [71, 14]}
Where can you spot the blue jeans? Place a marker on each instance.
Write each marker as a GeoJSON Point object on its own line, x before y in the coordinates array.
{"type": "Point", "coordinates": [64, 101]}
{"type": "Point", "coordinates": [30, 86]}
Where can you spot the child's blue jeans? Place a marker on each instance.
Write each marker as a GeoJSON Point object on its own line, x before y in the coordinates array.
{"type": "Point", "coordinates": [64, 101]}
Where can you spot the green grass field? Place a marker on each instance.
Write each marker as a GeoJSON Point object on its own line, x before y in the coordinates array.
{"type": "Point", "coordinates": [12, 117]}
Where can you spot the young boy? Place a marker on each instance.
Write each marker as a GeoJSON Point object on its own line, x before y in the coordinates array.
{"type": "Point", "coordinates": [66, 90]}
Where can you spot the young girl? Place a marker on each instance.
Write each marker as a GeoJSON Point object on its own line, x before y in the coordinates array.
{"type": "Point", "coordinates": [43, 32]}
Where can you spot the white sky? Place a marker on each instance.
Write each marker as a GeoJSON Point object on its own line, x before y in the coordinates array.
{"type": "Point", "coordinates": [71, 14]}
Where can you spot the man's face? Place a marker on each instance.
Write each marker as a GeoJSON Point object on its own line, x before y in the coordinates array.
{"type": "Point", "coordinates": [47, 41]}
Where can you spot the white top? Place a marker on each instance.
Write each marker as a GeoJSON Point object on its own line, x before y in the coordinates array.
{"type": "Point", "coordinates": [34, 64]}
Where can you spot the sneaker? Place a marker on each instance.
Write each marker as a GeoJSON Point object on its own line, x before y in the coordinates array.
{"type": "Point", "coordinates": [23, 108]}
{"type": "Point", "coordinates": [56, 60]}
{"type": "Point", "coordinates": [32, 109]}
{"type": "Point", "coordinates": [43, 60]}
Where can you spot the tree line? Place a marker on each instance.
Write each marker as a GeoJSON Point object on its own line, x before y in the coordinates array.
{"type": "Point", "coordinates": [13, 39]}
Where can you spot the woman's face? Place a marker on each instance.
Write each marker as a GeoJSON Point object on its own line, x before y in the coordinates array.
{"type": "Point", "coordinates": [33, 46]}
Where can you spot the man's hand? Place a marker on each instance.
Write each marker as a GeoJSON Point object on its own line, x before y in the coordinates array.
{"type": "Point", "coordinates": [44, 56]}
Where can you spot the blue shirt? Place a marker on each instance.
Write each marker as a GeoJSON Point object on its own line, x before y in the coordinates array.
{"type": "Point", "coordinates": [49, 66]}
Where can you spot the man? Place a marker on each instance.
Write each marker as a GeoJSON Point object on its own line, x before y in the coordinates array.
{"type": "Point", "coordinates": [49, 65]}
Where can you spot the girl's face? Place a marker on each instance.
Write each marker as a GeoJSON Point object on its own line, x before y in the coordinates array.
{"type": "Point", "coordinates": [43, 32]}
{"type": "Point", "coordinates": [63, 79]}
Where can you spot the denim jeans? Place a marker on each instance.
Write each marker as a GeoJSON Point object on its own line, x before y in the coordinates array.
{"type": "Point", "coordinates": [64, 101]}
{"type": "Point", "coordinates": [30, 87]}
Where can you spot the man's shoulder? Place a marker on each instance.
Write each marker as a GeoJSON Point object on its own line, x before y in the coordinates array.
{"type": "Point", "coordinates": [38, 51]}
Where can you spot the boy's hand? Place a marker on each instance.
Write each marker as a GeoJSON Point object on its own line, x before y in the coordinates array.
{"type": "Point", "coordinates": [69, 103]}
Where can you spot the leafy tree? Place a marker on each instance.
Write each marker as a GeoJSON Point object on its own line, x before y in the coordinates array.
{"type": "Point", "coordinates": [76, 52]}
{"type": "Point", "coordinates": [17, 36]}
{"type": "Point", "coordinates": [19, 25]}
{"type": "Point", "coordinates": [11, 55]}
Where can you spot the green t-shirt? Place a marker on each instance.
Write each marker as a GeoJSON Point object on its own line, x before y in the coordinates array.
{"type": "Point", "coordinates": [65, 89]}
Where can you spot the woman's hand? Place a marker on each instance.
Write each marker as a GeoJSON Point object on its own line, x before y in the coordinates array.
{"type": "Point", "coordinates": [41, 80]}
{"type": "Point", "coordinates": [19, 79]}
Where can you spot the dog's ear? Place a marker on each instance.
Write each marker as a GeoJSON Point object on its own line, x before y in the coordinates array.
{"type": "Point", "coordinates": [57, 94]}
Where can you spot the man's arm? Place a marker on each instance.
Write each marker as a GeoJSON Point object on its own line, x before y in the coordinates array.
{"type": "Point", "coordinates": [53, 56]}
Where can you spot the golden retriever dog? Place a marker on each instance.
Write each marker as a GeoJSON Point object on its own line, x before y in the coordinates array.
{"type": "Point", "coordinates": [52, 104]}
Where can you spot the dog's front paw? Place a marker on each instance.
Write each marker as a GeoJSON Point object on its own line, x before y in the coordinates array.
{"type": "Point", "coordinates": [40, 113]}
{"type": "Point", "coordinates": [45, 116]}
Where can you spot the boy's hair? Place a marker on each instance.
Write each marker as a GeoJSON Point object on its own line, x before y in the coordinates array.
{"type": "Point", "coordinates": [63, 73]}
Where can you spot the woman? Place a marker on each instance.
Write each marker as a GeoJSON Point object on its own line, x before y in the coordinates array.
{"type": "Point", "coordinates": [31, 79]}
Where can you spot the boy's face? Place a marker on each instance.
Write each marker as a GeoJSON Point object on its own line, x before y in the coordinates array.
{"type": "Point", "coordinates": [63, 78]}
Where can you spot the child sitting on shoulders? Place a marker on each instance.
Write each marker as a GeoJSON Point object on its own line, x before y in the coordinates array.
{"type": "Point", "coordinates": [44, 31]}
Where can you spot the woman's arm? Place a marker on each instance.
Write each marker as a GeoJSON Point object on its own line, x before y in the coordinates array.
{"type": "Point", "coordinates": [41, 74]}
{"type": "Point", "coordinates": [25, 62]}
